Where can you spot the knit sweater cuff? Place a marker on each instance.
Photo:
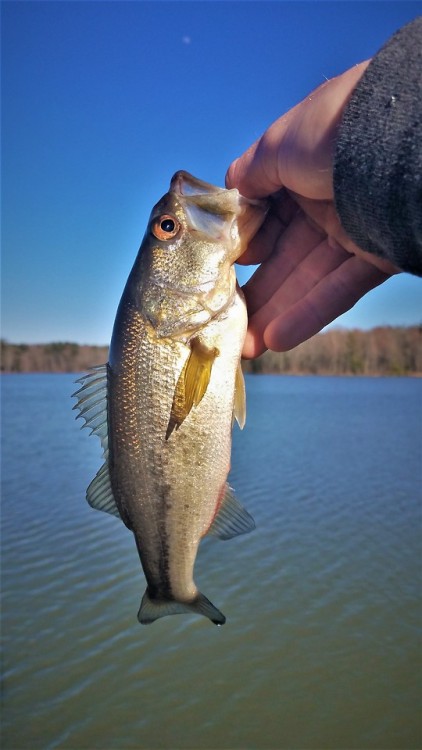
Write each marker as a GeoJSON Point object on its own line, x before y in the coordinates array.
{"type": "Point", "coordinates": [378, 156]}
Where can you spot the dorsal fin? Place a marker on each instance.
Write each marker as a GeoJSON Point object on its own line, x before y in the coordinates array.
{"type": "Point", "coordinates": [92, 403]}
{"type": "Point", "coordinates": [92, 406]}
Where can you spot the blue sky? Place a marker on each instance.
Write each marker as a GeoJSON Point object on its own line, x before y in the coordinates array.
{"type": "Point", "coordinates": [103, 101]}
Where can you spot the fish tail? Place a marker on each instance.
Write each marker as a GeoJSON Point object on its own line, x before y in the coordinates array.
{"type": "Point", "coordinates": [153, 608]}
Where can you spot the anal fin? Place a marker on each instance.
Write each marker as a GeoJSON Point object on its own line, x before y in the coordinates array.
{"type": "Point", "coordinates": [231, 518]}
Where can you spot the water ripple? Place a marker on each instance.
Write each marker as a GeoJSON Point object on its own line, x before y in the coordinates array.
{"type": "Point", "coordinates": [321, 646]}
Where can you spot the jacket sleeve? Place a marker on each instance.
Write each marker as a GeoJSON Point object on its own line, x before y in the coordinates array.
{"type": "Point", "coordinates": [378, 156]}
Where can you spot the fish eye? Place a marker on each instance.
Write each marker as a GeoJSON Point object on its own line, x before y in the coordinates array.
{"type": "Point", "coordinates": [165, 227]}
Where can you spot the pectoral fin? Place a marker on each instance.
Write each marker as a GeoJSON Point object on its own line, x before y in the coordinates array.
{"type": "Point", "coordinates": [192, 383]}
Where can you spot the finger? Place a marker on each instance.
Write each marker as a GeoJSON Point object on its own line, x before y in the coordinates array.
{"type": "Point", "coordinates": [318, 264]}
{"type": "Point", "coordinates": [255, 173]}
{"type": "Point", "coordinates": [332, 296]}
{"type": "Point", "coordinates": [237, 177]}
{"type": "Point", "coordinates": [292, 248]}
{"type": "Point", "coordinates": [253, 345]}
{"type": "Point", "coordinates": [296, 151]}
{"type": "Point", "coordinates": [321, 261]}
{"type": "Point", "coordinates": [323, 214]}
{"type": "Point", "coordinates": [283, 209]}
{"type": "Point", "coordinates": [263, 243]}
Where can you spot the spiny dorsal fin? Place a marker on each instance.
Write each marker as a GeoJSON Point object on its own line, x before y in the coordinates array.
{"type": "Point", "coordinates": [92, 403]}
{"type": "Point", "coordinates": [231, 519]}
{"type": "Point", "coordinates": [192, 383]}
{"type": "Point", "coordinates": [239, 408]}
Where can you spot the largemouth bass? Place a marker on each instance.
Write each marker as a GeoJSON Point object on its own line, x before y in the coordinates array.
{"type": "Point", "coordinates": [164, 404]}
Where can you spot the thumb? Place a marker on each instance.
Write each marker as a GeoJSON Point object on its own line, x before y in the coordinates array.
{"type": "Point", "coordinates": [254, 173]}
{"type": "Point", "coordinates": [230, 179]}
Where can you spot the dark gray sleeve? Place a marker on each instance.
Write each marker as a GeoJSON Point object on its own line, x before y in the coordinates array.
{"type": "Point", "coordinates": [378, 157]}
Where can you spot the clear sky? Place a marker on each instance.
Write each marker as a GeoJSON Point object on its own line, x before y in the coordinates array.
{"type": "Point", "coordinates": [103, 101]}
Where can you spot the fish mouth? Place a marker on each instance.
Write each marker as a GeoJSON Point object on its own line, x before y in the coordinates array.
{"type": "Point", "coordinates": [183, 183]}
{"type": "Point", "coordinates": [220, 214]}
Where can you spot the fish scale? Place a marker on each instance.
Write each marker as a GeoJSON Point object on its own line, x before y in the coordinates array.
{"type": "Point", "coordinates": [173, 385]}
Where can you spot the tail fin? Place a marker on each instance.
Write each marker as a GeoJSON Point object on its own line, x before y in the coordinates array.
{"type": "Point", "coordinates": [153, 609]}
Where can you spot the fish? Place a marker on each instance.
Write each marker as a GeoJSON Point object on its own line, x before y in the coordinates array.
{"type": "Point", "coordinates": [164, 404]}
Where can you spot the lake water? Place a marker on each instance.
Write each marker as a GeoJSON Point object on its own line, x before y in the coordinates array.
{"type": "Point", "coordinates": [322, 643]}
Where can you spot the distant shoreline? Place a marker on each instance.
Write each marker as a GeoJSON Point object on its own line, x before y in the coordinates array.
{"type": "Point", "coordinates": [374, 376]}
{"type": "Point", "coordinates": [382, 351]}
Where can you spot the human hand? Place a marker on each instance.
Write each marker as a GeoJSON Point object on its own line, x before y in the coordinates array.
{"type": "Point", "coordinates": [311, 271]}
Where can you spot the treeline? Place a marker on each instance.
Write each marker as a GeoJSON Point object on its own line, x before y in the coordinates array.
{"type": "Point", "coordinates": [56, 357]}
{"type": "Point", "coordinates": [380, 351]}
